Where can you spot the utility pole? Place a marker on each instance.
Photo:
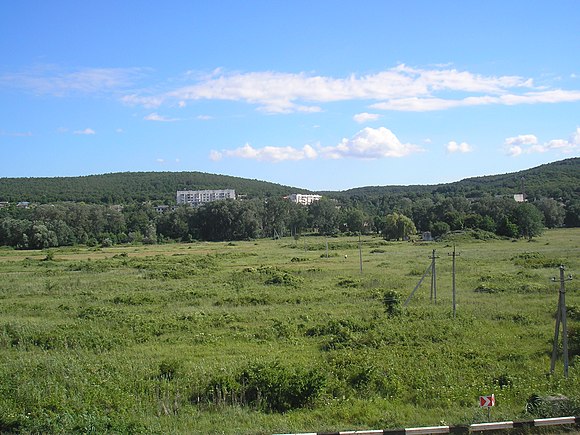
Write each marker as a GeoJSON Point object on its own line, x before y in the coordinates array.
{"type": "Point", "coordinates": [561, 318]}
{"type": "Point", "coordinates": [433, 278]}
{"type": "Point", "coordinates": [454, 254]}
{"type": "Point", "coordinates": [360, 253]}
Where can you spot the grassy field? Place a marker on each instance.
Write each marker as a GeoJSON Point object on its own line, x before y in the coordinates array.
{"type": "Point", "coordinates": [278, 336]}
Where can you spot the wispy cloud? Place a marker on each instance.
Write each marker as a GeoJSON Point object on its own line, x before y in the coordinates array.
{"type": "Point", "coordinates": [86, 131]}
{"type": "Point", "coordinates": [368, 143]}
{"type": "Point", "coordinates": [59, 82]}
{"type": "Point", "coordinates": [159, 118]}
{"type": "Point", "coordinates": [16, 133]}
{"type": "Point", "coordinates": [361, 118]}
{"type": "Point", "coordinates": [416, 104]}
{"type": "Point", "coordinates": [399, 88]}
{"type": "Point", "coordinates": [529, 144]}
{"type": "Point", "coordinates": [454, 147]}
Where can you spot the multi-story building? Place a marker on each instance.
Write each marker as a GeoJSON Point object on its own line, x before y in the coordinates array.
{"type": "Point", "coordinates": [198, 197]}
{"type": "Point", "coordinates": [303, 199]}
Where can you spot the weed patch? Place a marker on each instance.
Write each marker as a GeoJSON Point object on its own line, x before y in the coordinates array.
{"type": "Point", "coordinates": [536, 260]}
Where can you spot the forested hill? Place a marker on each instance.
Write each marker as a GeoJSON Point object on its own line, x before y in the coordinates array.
{"type": "Point", "coordinates": [559, 180]}
{"type": "Point", "coordinates": [130, 187]}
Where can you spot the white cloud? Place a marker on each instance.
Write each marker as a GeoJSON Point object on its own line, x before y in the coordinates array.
{"type": "Point", "coordinates": [371, 143]}
{"type": "Point", "coordinates": [417, 104]}
{"type": "Point", "coordinates": [86, 131]}
{"type": "Point", "coordinates": [267, 154]}
{"type": "Point", "coordinates": [277, 92]}
{"type": "Point", "coordinates": [59, 82]}
{"type": "Point", "coordinates": [158, 118]}
{"type": "Point", "coordinates": [365, 117]}
{"type": "Point", "coordinates": [454, 147]}
{"type": "Point", "coordinates": [529, 144]}
{"type": "Point", "coordinates": [401, 88]}
{"type": "Point", "coordinates": [204, 117]}
{"type": "Point", "coordinates": [215, 155]}
{"type": "Point", "coordinates": [368, 143]}
{"type": "Point", "coordinates": [522, 139]}
{"type": "Point", "coordinates": [147, 101]}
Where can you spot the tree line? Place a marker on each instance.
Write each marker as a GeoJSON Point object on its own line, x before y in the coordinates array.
{"type": "Point", "coordinates": [559, 180]}
{"type": "Point", "coordinates": [70, 223]}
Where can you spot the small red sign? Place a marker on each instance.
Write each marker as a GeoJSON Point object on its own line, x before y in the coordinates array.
{"type": "Point", "coordinates": [487, 401]}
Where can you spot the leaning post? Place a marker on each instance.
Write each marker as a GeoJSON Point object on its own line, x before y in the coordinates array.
{"type": "Point", "coordinates": [561, 319]}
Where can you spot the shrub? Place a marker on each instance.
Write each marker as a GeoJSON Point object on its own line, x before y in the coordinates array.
{"type": "Point", "coordinates": [269, 387]}
{"type": "Point", "coordinates": [551, 406]}
{"type": "Point", "coordinates": [392, 302]}
{"type": "Point", "coordinates": [536, 260]}
{"type": "Point", "coordinates": [168, 368]}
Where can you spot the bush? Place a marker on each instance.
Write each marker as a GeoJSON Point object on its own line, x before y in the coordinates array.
{"type": "Point", "coordinates": [551, 406]}
{"type": "Point", "coordinates": [168, 368]}
{"type": "Point", "coordinates": [392, 302]}
{"type": "Point", "coordinates": [269, 387]}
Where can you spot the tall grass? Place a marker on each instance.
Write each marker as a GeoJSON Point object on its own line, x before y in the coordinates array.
{"type": "Point", "coordinates": [274, 336]}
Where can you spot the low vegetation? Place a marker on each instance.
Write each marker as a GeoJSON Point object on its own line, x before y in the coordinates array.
{"type": "Point", "coordinates": [276, 336]}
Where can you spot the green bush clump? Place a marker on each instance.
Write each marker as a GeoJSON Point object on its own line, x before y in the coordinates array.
{"type": "Point", "coordinates": [348, 283]}
{"type": "Point", "coordinates": [95, 266]}
{"type": "Point", "coordinates": [283, 278]}
{"type": "Point", "coordinates": [503, 282]}
{"type": "Point", "coordinates": [536, 260]}
{"type": "Point", "coordinates": [60, 337]}
{"type": "Point", "coordinates": [168, 369]}
{"type": "Point", "coordinates": [358, 374]}
{"type": "Point", "coordinates": [392, 302]}
{"type": "Point", "coordinates": [551, 406]}
{"type": "Point", "coordinates": [273, 275]}
{"type": "Point", "coordinates": [339, 333]}
{"type": "Point", "coordinates": [268, 387]}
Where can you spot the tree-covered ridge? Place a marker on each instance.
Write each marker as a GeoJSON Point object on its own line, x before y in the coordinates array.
{"type": "Point", "coordinates": [559, 180]}
{"type": "Point", "coordinates": [264, 213]}
{"type": "Point", "coordinates": [130, 187]}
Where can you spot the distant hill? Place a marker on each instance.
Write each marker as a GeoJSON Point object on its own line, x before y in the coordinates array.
{"type": "Point", "coordinates": [557, 180]}
{"type": "Point", "coordinates": [129, 187]}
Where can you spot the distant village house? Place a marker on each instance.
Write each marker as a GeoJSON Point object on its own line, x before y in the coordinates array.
{"type": "Point", "coordinates": [303, 199]}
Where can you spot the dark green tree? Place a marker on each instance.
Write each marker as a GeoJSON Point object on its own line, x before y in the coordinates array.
{"type": "Point", "coordinates": [553, 211]}
{"type": "Point", "coordinates": [398, 227]}
{"type": "Point", "coordinates": [529, 220]}
{"type": "Point", "coordinates": [323, 215]}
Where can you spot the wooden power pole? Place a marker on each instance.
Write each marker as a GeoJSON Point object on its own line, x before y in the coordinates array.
{"type": "Point", "coordinates": [561, 319]}
{"type": "Point", "coordinates": [454, 254]}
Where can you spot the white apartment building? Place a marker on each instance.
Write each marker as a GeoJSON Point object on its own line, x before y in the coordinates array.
{"type": "Point", "coordinates": [198, 197]}
{"type": "Point", "coordinates": [303, 199]}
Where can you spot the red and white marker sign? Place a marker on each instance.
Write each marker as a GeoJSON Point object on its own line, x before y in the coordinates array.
{"type": "Point", "coordinates": [487, 401]}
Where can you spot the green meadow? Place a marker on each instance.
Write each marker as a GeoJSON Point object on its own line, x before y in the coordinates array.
{"type": "Point", "coordinates": [287, 335]}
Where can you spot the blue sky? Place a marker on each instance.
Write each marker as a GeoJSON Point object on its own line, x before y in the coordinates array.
{"type": "Point", "coordinates": [321, 95]}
